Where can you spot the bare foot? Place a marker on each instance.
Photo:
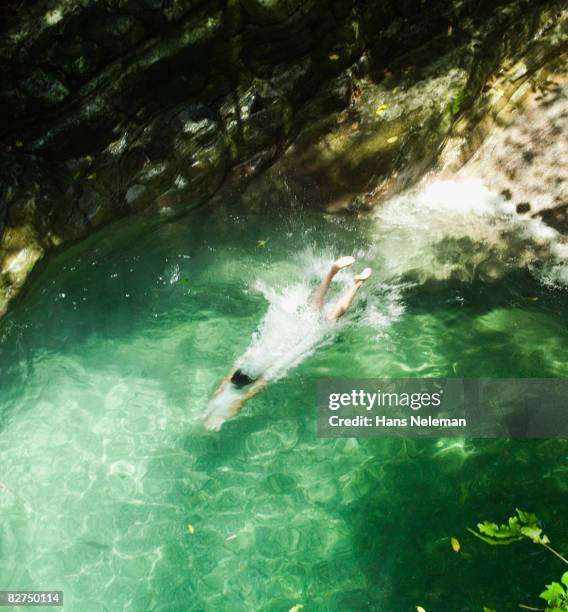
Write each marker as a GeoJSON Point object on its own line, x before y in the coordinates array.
{"type": "Point", "coordinates": [364, 275]}
{"type": "Point", "coordinates": [342, 262]}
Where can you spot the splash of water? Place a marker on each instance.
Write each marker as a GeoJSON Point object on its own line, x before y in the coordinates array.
{"type": "Point", "coordinates": [291, 331]}
{"type": "Point", "coordinates": [463, 230]}
{"type": "Point", "coordinates": [448, 229]}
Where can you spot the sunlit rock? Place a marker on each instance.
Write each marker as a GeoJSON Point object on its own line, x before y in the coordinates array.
{"type": "Point", "coordinates": [159, 106]}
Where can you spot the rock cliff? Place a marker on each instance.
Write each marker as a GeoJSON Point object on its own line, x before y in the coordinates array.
{"type": "Point", "coordinates": [117, 107]}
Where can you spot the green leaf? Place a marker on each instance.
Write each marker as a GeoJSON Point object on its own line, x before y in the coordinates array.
{"type": "Point", "coordinates": [535, 534]}
{"type": "Point", "coordinates": [511, 530]}
{"type": "Point", "coordinates": [554, 593]}
{"type": "Point", "coordinates": [531, 528]}
{"type": "Point", "coordinates": [564, 578]}
{"type": "Point", "coordinates": [494, 541]}
{"type": "Point", "coordinates": [525, 525]}
{"type": "Point", "coordinates": [486, 609]}
{"type": "Point", "coordinates": [527, 517]}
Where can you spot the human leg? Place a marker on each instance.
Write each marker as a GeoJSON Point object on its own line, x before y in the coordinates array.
{"type": "Point", "coordinates": [319, 294]}
{"type": "Point", "coordinates": [345, 301]}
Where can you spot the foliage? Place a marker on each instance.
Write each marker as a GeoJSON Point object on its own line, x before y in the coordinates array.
{"type": "Point", "coordinates": [526, 526]}
{"type": "Point", "coordinates": [556, 595]}
{"type": "Point", "coordinates": [457, 102]}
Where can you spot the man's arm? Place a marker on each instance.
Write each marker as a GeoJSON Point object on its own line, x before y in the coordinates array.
{"type": "Point", "coordinates": [215, 420]}
{"type": "Point", "coordinates": [225, 381]}
{"type": "Point", "coordinates": [256, 386]}
{"type": "Point", "coordinates": [221, 385]}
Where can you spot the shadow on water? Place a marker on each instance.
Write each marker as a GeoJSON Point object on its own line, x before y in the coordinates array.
{"type": "Point", "coordinates": [489, 322]}
{"type": "Point", "coordinates": [402, 528]}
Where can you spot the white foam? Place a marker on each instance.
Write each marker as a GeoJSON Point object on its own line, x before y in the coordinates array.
{"type": "Point", "coordinates": [460, 228]}
{"type": "Point", "coordinates": [289, 332]}
{"type": "Point", "coordinates": [447, 229]}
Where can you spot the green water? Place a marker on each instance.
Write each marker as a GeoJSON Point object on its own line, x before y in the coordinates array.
{"type": "Point", "coordinates": [113, 352]}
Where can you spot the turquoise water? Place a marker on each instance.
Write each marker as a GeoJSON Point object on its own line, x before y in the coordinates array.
{"type": "Point", "coordinates": [113, 491]}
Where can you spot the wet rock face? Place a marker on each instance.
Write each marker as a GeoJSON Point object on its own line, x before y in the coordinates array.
{"type": "Point", "coordinates": [267, 12]}
{"type": "Point", "coordinates": [119, 106]}
{"type": "Point", "coordinates": [531, 155]}
{"type": "Point", "coordinates": [525, 155]}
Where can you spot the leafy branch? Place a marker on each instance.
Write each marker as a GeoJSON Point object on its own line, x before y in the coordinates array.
{"type": "Point", "coordinates": [526, 526]}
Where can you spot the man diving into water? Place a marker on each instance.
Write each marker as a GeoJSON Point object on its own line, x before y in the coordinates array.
{"type": "Point", "coordinates": [240, 384]}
